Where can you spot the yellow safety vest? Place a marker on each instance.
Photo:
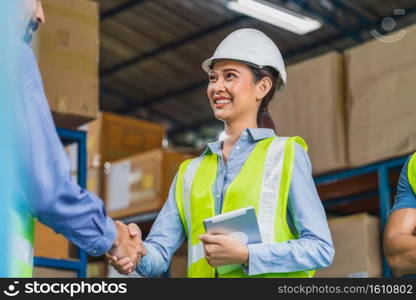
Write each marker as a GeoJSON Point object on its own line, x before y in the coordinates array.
{"type": "Point", "coordinates": [21, 248]}
{"type": "Point", "coordinates": [263, 182]}
{"type": "Point", "coordinates": [411, 172]}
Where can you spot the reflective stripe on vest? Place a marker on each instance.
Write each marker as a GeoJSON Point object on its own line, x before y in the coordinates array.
{"type": "Point", "coordinates": [263, 182]}
{"type": "Point", "coordinates": [21, 248]}
{"type": "Point", "coordinates": [411, 172]}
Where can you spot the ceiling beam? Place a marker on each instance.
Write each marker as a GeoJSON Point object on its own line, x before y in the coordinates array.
{"type": "Point", "coordinates": [170, 46]}
{"type": "Point", "coordinates": [330, 21]}
{"type": "Point", "coordinates": [132, 106]}
{"type": "Point", "coordinates": [123, 7]}
{"type": "Point", "coordinates": [109, 91]}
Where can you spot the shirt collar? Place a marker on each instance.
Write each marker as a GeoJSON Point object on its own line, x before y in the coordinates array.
{"type": "Point", "coordinates": [252, 135]}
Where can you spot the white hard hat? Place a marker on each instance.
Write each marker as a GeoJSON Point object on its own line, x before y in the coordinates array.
{"type": "Point", "coordinates": [250, 46]}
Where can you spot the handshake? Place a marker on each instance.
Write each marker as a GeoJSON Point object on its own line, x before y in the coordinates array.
{"type": "Point", "coordinates": [128, 248]}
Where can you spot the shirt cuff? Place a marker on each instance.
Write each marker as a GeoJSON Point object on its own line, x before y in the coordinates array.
{"type": "Point", "coordinates": [145, 268]}
{"type": "Point", "coordinates": [105, 243]}
{"type": "Point", "coordinates": [251, 267]}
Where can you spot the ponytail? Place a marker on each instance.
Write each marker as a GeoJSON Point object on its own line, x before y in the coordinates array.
{"type": "Point", "coordinates": [264, 119]}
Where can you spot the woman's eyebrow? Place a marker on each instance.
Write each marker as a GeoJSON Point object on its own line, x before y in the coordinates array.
{"type": "Point", "coordinates": [227, 70]}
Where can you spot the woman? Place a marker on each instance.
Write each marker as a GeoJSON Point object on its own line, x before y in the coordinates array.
{"type": "Point", "coordinates": [249, 167]}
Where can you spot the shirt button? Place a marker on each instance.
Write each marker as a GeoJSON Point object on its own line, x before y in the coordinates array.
{"type": "Point", "coordinates": [238, 147]}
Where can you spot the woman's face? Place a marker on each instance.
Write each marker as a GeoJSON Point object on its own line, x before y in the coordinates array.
{"type": "Point", "coordinates": [232, 91]}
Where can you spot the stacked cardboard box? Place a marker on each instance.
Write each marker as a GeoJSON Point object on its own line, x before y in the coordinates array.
{"type": "Point", "coordinates": [52, 245]}
{"type": "Point", "coordinates": [67, 49]}
{"type": "Point", "coordinates": [381, 99]}
{"type": "Point", "coordinates": [42, 272]}
{"type": "Point", "coordinates": [141, 182]}
{"type": "Point", "coordinates": [312, 106]}
{"type": "Point", "coordinates": [97, 269]}
{"type": "Point", "coordinates": [179, 263]}
{"type": "Point", "coordinates": [358, 251]}
{"type": "Point", "coordinates": [113, 137]}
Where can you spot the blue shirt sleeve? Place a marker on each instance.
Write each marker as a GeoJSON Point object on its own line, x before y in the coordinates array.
{"type": "Point", "coordinates": [313, 249]}
{"type": "Point", "coordinates": [56, 200]}
{"type": "Point", "coordinates": [405, 197]}
{"type": "Point", "coordinates": [166, 236]}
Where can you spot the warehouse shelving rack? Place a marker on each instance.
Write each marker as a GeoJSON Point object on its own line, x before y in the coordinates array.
{"type": "Point", "coordinates": [80, 265]}
{"type": "Point", "coordinates": [384, 190]}
{"type": "Point", "coordinates": [382, 169]}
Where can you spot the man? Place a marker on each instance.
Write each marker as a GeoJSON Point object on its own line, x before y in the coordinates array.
{"type": "Point", "coordinates": [400, 233]}
{"type": "Point", "coordinates": [42, 185]}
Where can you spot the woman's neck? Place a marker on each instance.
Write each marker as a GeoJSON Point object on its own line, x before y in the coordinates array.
{"type": "Point", "coordinates": [234, 130]}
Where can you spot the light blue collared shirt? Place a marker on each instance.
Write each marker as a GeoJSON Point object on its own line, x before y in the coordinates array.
{"type": "Point", "coordinates": [313, 249]}
{"type": "Point", "coordinates": [49, 191]}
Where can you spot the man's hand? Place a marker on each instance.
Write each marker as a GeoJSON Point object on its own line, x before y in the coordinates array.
{"type": "Point", "coordinates": [128, 248]}
{"type": "Point", "coordinates": [223, 250]}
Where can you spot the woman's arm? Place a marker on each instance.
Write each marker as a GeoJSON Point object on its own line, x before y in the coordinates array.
{"type": "Point", "coordinates": [313, 249]}
{"type": "Point", "coordinates": [164, 239]}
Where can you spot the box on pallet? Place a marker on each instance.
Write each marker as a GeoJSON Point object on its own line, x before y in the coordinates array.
{"type": "Point", "coordinates": [358, 250]}
{"type": "Point", "coordinates": [141, 182]}
{"type": "Point", "coordinates": [381, 99]}
{"type": "Point", "coordinates": [312, 106]}
{"type": "Point", "coordinates": [67, 49]}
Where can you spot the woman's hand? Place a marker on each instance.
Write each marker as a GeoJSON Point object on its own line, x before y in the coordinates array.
{"type": "Point", "coordinates": [223, 250]}
{"type": "Point", "coordinates": [126, 265]}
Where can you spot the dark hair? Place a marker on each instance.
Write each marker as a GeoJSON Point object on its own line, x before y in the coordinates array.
{"type": "Point", "coordinates": [264, 120]}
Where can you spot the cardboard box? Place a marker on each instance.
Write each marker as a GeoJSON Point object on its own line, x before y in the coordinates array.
{"type": "Point", "coordinates": [42, 272]}
{"type": "Point", "coordinates": [312, 106]}
{"type": "Point", "coordinates": [381, 99]}
{"type": "Point", "coordinates": [179, 267]}
{"type": "Point", "coordinates": [358, 249]}
{"type": "Point", "coordinates": [122, 136]}
{"type": "Point", "coordinates": [179, 262]}
{"type": "Point", "coordinates": [67, 49]}
{"type": "Point", "coordinates": [52, 245]}
{"type": "Point", "coordinates": [94, 174]}
{"type": "Point", "coordinates": [97, 269]}
{"type": "Point", "coordinates": [113, 136]}
{"type": "Point", "coordinates": [140, 183]}
{"type": "Point", "coordinates": [93, 130]}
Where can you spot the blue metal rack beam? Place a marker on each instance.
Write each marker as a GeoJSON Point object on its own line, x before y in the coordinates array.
{"type": "Point", "coordinates": [72, 136]}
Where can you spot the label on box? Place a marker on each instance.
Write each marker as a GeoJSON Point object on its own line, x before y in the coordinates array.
{"type": "Point", "coordinates": [119, 187]}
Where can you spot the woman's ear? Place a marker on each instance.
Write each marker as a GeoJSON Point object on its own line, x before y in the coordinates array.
{"type": "Point", "coordinates": [263, 87]}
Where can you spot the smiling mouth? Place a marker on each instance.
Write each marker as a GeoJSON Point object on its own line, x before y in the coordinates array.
{"type": "Point", "coordinates": [220, 103]}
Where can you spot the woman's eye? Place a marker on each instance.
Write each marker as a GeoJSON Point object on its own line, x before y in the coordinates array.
{"type": "Point", "coordinates": [230, 75]}
{"type": "Point", "coordinates": [211, 78]}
